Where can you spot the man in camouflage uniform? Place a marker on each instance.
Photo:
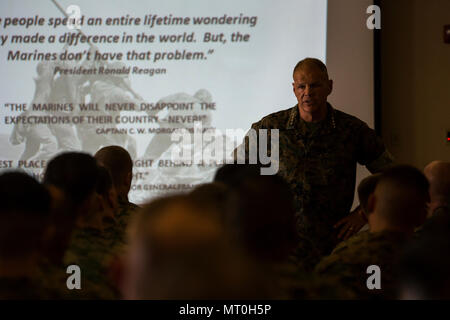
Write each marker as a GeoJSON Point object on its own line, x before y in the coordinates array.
{"type": "Point", "coordinates": [425, 263]}
{"type": "Point", "coordinates": [24, 217]}
{"type": "Point", "coordinates": [397, 206]}
{"type": "Point", "coordinates": [72, 180]}
{"type": "Point", "coordinates": [93, 250]}
{"type": "Point", "coordinates": [319, 148]}
{"type": "Point", "coordinates": [438, 174]}
{"type": "Point", "coordinates": [95, 243]}
{"type": "Point", "coordinates": [118, 162]}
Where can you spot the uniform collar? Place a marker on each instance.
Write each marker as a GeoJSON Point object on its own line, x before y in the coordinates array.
{"type": "Point", "coordinates": [295, 122]}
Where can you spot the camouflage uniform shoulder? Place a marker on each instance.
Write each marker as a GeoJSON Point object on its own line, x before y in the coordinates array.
{"type": "Point", "coordinates": [372, 151]}
{"type": "Point", "coordinates": [345, 120]}
{"type": "Point", "coordinates": [276, 120]}
{"type": "Point", "coordinates": [118, 232]}
{"type": "Point", "coordinates": [53, 279]}
{"type": "Point", "coordinates": [348, 264]}
{"type": "Point", "coordinates": [133, 206]}
{"type": "Point", "coordinates": [126, 208]}
{"type": "Point", "coordinates": [343, 251]}
{"type": "Point", "coordinates": [310, 286]}
{"type": "Point", "coordinates": [125, 204]}
{"type": "Point", "coordinates": [357, 239]}
{"type": "Point", "coordinates": [363, 247]}
{"type": "Point", "coordinates": [21, 288]}
{"type": "Point", "coordinates": [93, 251]}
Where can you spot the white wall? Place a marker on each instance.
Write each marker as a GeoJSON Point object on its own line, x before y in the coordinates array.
{"type": "Point", "coordinates": [350, 61]}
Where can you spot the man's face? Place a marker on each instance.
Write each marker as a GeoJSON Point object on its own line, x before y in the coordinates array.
{"type": "Point", "coordinates": [311, 87]}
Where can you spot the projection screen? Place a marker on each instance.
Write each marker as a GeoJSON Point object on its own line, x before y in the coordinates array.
{"type": "Point", "coordinates": [80, 75]}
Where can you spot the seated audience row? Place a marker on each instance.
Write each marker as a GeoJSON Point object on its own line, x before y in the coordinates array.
{"type": "Point", "coordinates": [76, 235]}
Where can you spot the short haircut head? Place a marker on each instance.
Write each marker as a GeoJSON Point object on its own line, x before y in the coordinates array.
{"type": "Point", "coordinates": [311, 62]}
{"type": "Point", "coordinates": [262, 217]}
{"type": "Point", "coordinates": [233, 175]}
{"type": "Point", "coordinates": [117, 160]}
{"type": "Point", "coordinates": [24, 213]}
{"type": "Point", "coordinates": [213, 196]}
{"type": "Point", "coordinates": [75, 173]}
{"type": "Point", "coordinates": [402, 195]}
{"type": "Point", "coordinates": [438, 174]}
{"type": "Point", "coordinates": [183, 253]}
{"type": "Point", "coordinates": [424, 268]}
{"type": "Point", "coordinates": [104, 183]}
{"type": "Point", "coordinates": [365, 188]}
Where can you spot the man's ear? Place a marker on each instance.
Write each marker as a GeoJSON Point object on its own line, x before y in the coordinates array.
{"type": "Point", "coordinates": [330, 85]}
{"type": "Point", "coordinates": [293, 87]}
{"type": "Point", "coordinates": [371, 203]}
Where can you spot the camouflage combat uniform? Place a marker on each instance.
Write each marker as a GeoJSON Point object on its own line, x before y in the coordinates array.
{"type": "Point", "coordinates": [22, 288]}
{"type": "Point", "coordinates": [318, 161]}
{"type": "Point", "coordinates": [123, 218]}
{"type": "Point", "coordinates": [296, 284]}
{"type": "Point", "coordinates": [438, 223]}
{"type": "Point", "coordinates": [93, 250]}
{"type": "Point", "coordinates": [348, 262]}
{"type": "Point", "coordinates": [53, 280]}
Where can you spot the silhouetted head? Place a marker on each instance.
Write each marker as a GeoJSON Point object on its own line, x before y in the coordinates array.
{"type": "Point", "coordinates": [179, 250]}
{"type": "Point", "coordinates": [233, 175]}
{"type": "Point", "coordinates": [75, 174]}
{"type": "Point", "coordinates": [262, 217]}
{"type": "Point", "coordinates": [24, 215]}
{"type": "Point", "coordinates": [365, 188]}
{"type": "Point", "coordinates": [71, 179]}
{"type": "Point", "coordinates": [120, 165]}
{"type": "Point", "coordinates": [106, 201]}
{"type": "Point", "coordinates": [424, 268]}
{"type": "Point", "coordinates": [213, 196]}
{"type": "Point", "coordinates": [438, 174]}
{"type": "Point", "coordinates": [400, 200]}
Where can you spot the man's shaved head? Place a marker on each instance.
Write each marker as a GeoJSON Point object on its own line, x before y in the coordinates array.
{"type": "Point", "coordinates": [438, 174]}
{"type": "Point", "coordinates": [365, 188]}
{"type": "Point", "coordinates": [311, 63]}
{"type": "Point", "coordinates": [179, 250]}
{"type": "Point", "coordinates": [401, 196]}
{"type": "Point", "coordinates": [311, 87]}
{"type": "Point", "coordinates": [74, 173]}
{"type": "Point", "coordinates": [120, 165]}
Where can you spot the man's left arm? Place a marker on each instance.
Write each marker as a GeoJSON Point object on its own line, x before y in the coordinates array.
{"type": "Point", "coordinates": [371, 151]}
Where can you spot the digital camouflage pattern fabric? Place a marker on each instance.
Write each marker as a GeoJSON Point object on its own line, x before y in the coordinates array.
{"type": "Point", "coordinates": [93, 251]}
{"type": "Point", "coordinates": [294, 283]}
{"type": "Point", "coordinates": [22, 288]}
{"type": "Point", "coordinates": [318, 161]}
{"type": "Point", "coordinates": [123, 218]}
{"type": "Point", "coordinates": [348, 263]}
